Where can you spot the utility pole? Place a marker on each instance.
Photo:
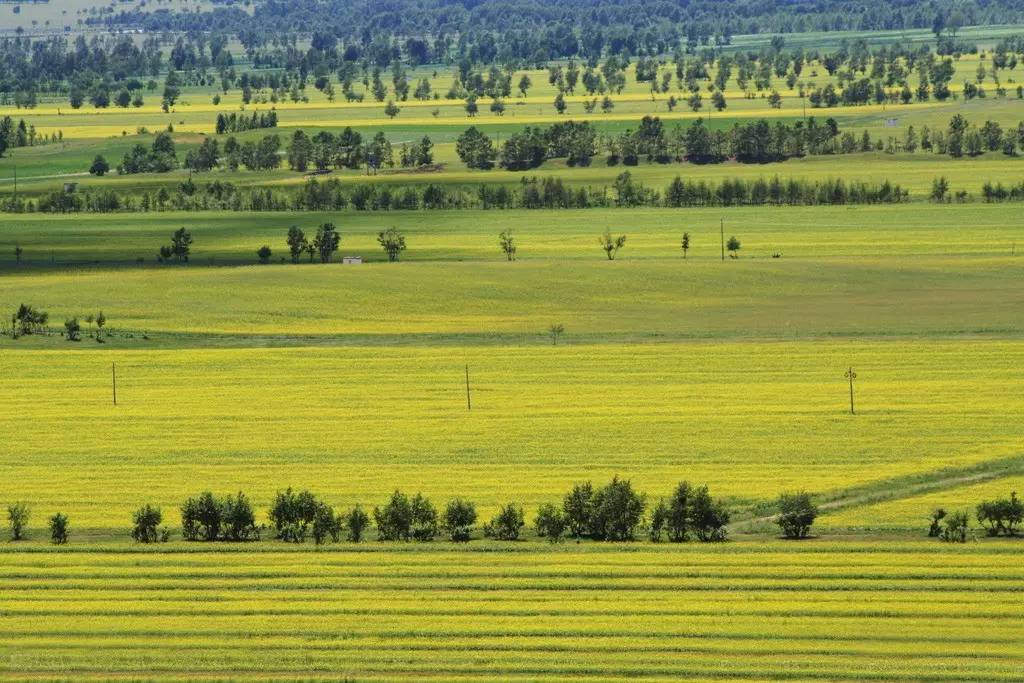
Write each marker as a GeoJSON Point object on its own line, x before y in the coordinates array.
{"type": "Point", "coordinates": [721, 231]}
{"type": "Point", "coordinates": [113, 380]}
{"type": "Point", "coordinates": [851, 375]}
{"type": "Point", "coordinates": [469, 403]}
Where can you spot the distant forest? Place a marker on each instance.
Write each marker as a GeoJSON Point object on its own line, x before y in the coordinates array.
{"type": "Point", "coordinates": [437, 31]}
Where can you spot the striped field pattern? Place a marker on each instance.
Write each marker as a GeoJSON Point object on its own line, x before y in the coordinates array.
{"type": "Point", "coordinates": [813, 610]}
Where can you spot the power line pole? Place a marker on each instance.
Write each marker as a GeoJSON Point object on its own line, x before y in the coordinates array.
{"type": "Point", "coordinates": [469, 403]}
{"type": "Point", "coordinates": [851, 375]}
{"type": "Point", "coordinates": [113, 380]}
{"type": "Point", "coordinates": [721, 231]}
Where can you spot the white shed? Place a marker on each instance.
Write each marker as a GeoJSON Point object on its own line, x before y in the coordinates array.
{"type": "Point", "coordinates": [351, 259]}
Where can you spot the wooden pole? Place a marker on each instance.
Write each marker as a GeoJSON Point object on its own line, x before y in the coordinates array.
{"type": "Point", "coordinates": [851, 375]}
{"type": "Point", "coordinates": [469, 403]}
{"type": "Point", "coordinates": [721, 229]}
{"type": "Point", "coordinates": [113, 380]}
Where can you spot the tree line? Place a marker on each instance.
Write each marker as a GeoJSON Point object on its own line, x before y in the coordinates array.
{"type": "Point", "coordinates": [614, 512]}
{"type": "Point", "coordinates": [440, 31]}
{"type": "Point", "coordinates": [530, 193]}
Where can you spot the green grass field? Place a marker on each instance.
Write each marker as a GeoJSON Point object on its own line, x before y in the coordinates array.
{"type": "Point", "coordinates": [352, 381]}
{"type": "Point", "coordinates": [855, 611]}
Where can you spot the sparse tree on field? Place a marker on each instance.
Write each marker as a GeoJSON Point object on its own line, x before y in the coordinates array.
{"type": "Point", "coordinates": [796, 514]}
{"type": "Point", "coordinates": [17, 519]}
{"type": "Point", "coordinates": [678, 522]}
{"type": "Point", "coordinates": [508, 245]}
{"type": "Point", "coordinates": [524, 84]}
{"type": "Point", "coordinates": [99, 166]}
{"type": "Point", "coordinates": [72, 329]}
{"type": "Point", "coordinates": [507, 524]}
{"type": "Point", "coordinates": [297, 243]}
{"type": "Point", "coordinates": [326, 241]}
{"type": "Point", "coordinates": [616, 511]}
{"type": "Point", "coordinates": [391, 109]}
{"type": "Point", "coordinates": [549, 523]}
{"type": "Point", "coordinates": [145, 523]}
{"type": "Point", "coordinates": [28, 320]}
{"type": "Point", "coordinates": [555, 331]}
{"type": "Point", "coordinates": [18, 251]}
{"type": "Point", "coordinates": [577, 508]}
{"type": "Point", "coordinates": [733, 246]}
{"type": "Point", "coordinates": [394, 520]}
{"type": "Point", "coordinates": [659, 519]}
{"type": "Point", "coordinates": [326, 524]}
{"type": "Point", "coordinates": [181, 245]}
{"type": "Point", "coordinates": [707, 516]}
{"type": "Point", "coordinates": [424, 518]}
{"type": "Point", "coordinates": [101, 322]}
{"type": "Point", "coordinates": [560, 105]}
{"type": "Point", "coordinates": [356, 522]}
{"type": "Point", "coordinates": [264, 253]}
{"type": "Point", "coordinates": [292, 513]}
{"type": "Point", "coordinates": [685, 244]}
{"type": "Point", "coordinates": [393, 243]}
{"type": "Point", "coordinates": [459, 518]}
{"type": "Point", "coordinates": [60, 529]}
{"type": "Point", "coordinates": [611, 245]}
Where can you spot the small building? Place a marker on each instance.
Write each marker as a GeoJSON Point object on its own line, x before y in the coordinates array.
{"type": "Point", "coordinates": [351, 259]}
{"type": "Point", "coordinates": [69, 188]}
{"type": "Point", "coordinates": [891, 123]}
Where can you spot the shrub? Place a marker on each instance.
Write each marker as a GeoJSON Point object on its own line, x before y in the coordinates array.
{"type": "Point", "coordinates": [459, 518]}
{"type": "Point", "coordinates": [956, 527]}
{"type": "Point", "coordinates": [59, 529]}
{"type": "Point", "coordinates": [935, 528]}
{"type": "Point", "coordinates": [356, 523]}
{"type": "Point", "coordinates": [507, 524]}
{"type": "Point", "coordinates": [145, 522]}
{"type": "Point", "coordinates": [796, 514]}
{"type": "Point", "coordinates": [17, 519]}
{"type": "Point", "coordinates": [394, 520]}
{"type": "Point", "coordinates": [549, 523]}
{"type": "Point", "coordinates": [617, 511]}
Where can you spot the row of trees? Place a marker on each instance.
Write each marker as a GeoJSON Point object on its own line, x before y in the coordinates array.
{"type": "Point", "coordinates": [239, 123]}
{"type": "Point", "coordinates": [326, 242]}
{"type": "Point", "coordinates": [576, 141]}
{"type": "Point", "coordinates": [442, 31]}
{"type": "Point", "coordinates": [348, 150]}
{"type": "Point", "coordinates": [615, 512]}
{"type": "Point", "coordinates": [530, 193]}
